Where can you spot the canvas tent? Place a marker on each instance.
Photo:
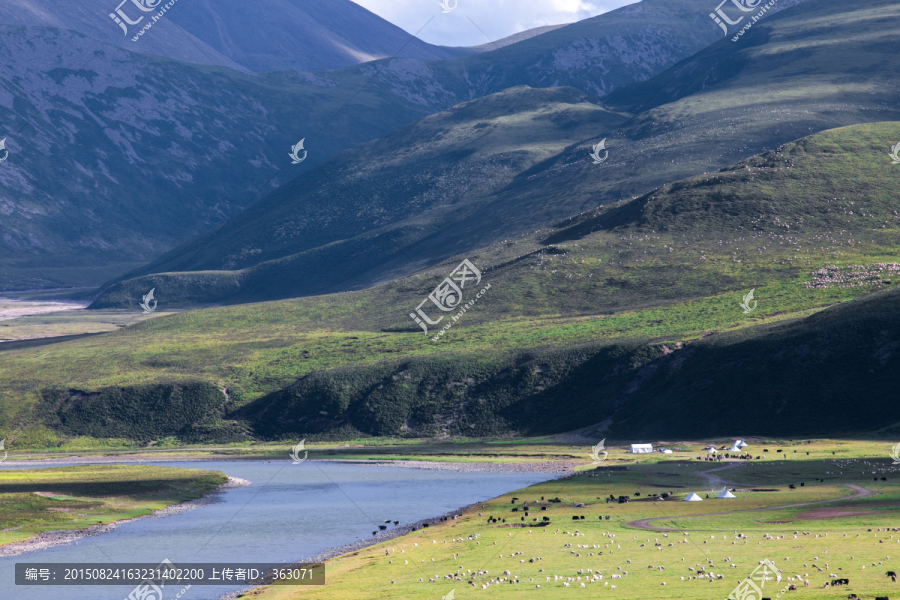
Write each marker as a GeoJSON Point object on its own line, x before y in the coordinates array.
{"type": "Point", "coordinates": [641, 448]}
{"type": "Point", "coordinates": [692, 497]}
{"type": "Point", "coordinates": [726, 494]}
{"type": "Point", "coordinates": [665, 451]}
{"type": "Point", "coordinates": [711, 450]}
{"type": "Point", "coordinates": [738, 446]}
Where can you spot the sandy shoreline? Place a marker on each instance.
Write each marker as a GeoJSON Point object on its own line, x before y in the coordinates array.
{"type": "Point", "coordinates": [48, 539]}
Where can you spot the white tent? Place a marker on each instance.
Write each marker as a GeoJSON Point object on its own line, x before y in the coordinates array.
{"type": "Point", "coordinates": [711, 450]}
{"type": "Point", "coordinates": [692, 497]}
{"type": "Point", "coordinates": [742, 444]}
{"type": "Point", "coordinates": [726, 494]}
{"type": "Point", "coordinates": [736, 447]}
{"type": "Point", "coordinates": [641, 448]}
{"type": "Point", "coordinates": [665, 451]}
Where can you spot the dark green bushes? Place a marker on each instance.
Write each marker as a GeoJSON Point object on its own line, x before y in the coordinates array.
{"type": "Point", "coordinates": [139, 413]}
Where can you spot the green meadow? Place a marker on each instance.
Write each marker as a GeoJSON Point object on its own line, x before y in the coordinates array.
{"type": "Point", "coordinates": [76, 497]}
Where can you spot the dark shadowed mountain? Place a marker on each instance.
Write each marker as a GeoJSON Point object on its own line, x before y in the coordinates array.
{"type": "Point", "coordinates": [118, 156]}
{"type": "Point", "coordinates": [376, 198]}
{"type": "Point", "coordinates": [759, 93]}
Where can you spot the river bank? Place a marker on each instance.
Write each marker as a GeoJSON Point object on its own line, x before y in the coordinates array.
{"type": "Point", "coordinates": [431, 465]}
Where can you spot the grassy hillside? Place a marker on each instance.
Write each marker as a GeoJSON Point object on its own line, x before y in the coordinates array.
{"type": "Point", "coordinates": [279, 249]}
{"type": "Point", "coordinates": [585, 323]}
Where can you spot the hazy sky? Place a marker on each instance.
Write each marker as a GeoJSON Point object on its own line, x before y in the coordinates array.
{"type": "Point", "coordinates": [497, 18]}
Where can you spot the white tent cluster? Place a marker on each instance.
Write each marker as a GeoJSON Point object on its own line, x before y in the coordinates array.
{"type": "Point", "coordinates": [723, 495]}
{"type": "Point", "coordinates": [738, 446]}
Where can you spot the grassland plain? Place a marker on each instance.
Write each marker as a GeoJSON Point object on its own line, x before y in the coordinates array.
{"type": "Point", "coordinates": [626, 287]}
{"type": "Point", "coordinates": [847, 533]}
{"type": "Point", "coordinates": [76, 497]}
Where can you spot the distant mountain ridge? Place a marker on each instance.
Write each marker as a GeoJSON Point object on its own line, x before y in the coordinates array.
{"type": "Point", "coordinates": [269, 35]}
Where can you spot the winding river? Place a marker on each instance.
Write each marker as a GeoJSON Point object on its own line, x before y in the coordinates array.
{"type": "Point", "coordinates": [288, 513]}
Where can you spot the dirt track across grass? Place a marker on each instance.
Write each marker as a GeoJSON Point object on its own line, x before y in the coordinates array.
{"type": "Point", "coordinates": [859, 492]}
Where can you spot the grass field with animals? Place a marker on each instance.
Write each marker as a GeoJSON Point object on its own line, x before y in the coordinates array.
{"type": "Point", "coordinates": [820, 518]}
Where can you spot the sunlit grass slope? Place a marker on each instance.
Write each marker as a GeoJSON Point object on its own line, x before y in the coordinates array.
{"type": "Point", "coordinates": [576, 328]}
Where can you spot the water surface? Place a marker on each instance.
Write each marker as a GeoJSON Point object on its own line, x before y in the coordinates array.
{"type": "Point", "coordinates": [288, 513]}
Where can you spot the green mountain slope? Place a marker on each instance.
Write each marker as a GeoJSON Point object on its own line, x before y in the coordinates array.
{"type": "Point", "coordinates": [584, 323]}
{"type": "Point", "coordinates": [781, 380]}
{"type": "Point", "coordinates": [815, 66]}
